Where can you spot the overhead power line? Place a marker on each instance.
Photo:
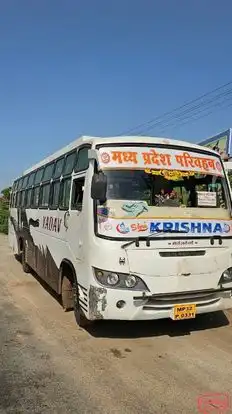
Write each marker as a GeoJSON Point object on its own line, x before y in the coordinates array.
{"type": "Point", "coordinates": [191, 112]}
{"type": "Point", "coordinates": [191, 120]}
{"type": "Point", "coordinates": [183, 110]}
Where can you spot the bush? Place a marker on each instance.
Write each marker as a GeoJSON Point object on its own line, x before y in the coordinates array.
{"type": "Point", "coordinates": [4, 214]}
{"type": "Point", "coordinates": [4, 210]}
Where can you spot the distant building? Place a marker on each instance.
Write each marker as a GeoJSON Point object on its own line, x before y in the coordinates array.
{"type": "Point", "coordinates": [221, 143]}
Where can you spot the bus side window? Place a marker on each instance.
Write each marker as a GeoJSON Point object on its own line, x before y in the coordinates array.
{"type": "Point", "coordinates": [65, 193]}
{"type": "Point", "coordinates": [77, 194]}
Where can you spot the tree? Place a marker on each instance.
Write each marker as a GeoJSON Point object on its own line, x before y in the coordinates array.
{"type": "Point", "coordinates": [6, 193]}
{"type": "Point", "coordinates": [4, 209]}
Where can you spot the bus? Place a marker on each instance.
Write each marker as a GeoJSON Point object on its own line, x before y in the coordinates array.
{"type": "Point", "coordinates": [127, 228]}
{"type": "Point", "coordinates": [228, 168]}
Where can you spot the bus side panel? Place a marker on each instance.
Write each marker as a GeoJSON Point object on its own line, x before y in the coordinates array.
{"type": "Point", "coordinates": [12, 231]}
{"type": "Point", "coordinates": [46, 242]}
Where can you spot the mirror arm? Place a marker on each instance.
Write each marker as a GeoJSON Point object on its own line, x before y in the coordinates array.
{"type": "Point", "coordinates": [93, 155]}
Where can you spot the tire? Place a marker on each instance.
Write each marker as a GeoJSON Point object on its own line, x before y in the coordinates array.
{"type": "Point", "coordinates": [67, 294]}
{"type": "Point", "coordinates": [80, 317]}
{"type": "Point", "coordinates": [26, 267]}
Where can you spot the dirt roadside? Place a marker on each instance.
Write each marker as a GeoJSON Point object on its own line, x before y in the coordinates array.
{"type": "Point", "coordinates": [48, 365]}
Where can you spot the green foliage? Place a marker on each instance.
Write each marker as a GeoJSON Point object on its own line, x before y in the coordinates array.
{"type": "Point", "coordinates": [230, 177]}
{"type": "Point", "coordinates": [4, 214]}
{"type": "Point", "coordinates": [4, 210]}
{"type": "Point", "coordinates": [6, 193]}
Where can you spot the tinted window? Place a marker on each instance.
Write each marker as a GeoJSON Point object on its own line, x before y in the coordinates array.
{"type": "Point", "coordinates": [65, 193]}
{"type": "Point", "coordinates": [82, 159]}
{"type": "Point", "coordinates": [55, 191]}
{"type": "Point", "coordinates": [58, 168]}
{"type": "Point", "coordinates": [18, 200]}
{"type": "Point", "coordinates": [44, 195]}
{"type": "Point", "coordinates": [20, 183]}
{"type": "Point", "coordinates": [23, 198]}
{"type": "Point", "coordinates": [28, 198]}
{"type": "Point", "coordinates": [69, 163]}
{"type": "Point", "coordinates": [48, 172]}
{"type": "Point", "coordinates": [38, 176]}
{"type": "Point", "coordinates": [35, 197]}
{"type": "Point", "coordinates": [11, 199]}
{"type": "Point", "coordinates": [31, 179]}
{"type": "Point", "coordinates": [14, 199]}
{"type": "Point", "coordinates": [25, 180]}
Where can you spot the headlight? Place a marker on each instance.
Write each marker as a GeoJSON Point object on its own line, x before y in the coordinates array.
{"type": "Point", "coordinates": [119, 280]}
{"type": "Point", "coordinates": [226, 276]}
{"type": "Point", "coordinates": [112, 279]}
{"type": "Point", "coordinates": [130, 281]}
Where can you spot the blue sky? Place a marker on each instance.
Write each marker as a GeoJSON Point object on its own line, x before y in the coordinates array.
{"type": "Point", "coordinates": [90, 67]}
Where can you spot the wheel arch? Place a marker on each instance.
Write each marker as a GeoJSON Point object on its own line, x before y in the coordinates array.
{"type": "Point", "coordinates": [67, 269]}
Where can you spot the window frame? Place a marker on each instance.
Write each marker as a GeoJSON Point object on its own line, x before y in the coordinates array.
{"type": "Point", "coordinates": [14, 186]}
{"type": "Point", "coordinates": [28, 205]}
{"type": "Point", "coordinates": [20, 183]}
{"type": "Point", "coordinates": [42, 206]}
{"type": "Point", "coordinates": [36, 172]}
{"type": "Point", "coordinates": [15, 199]}
{"type": "Point", "coordinates": [33, 206]}
{"type": "Point", "coordinates": [22, 198]}
{"type": "Point", "coordinates": [52, 163]}
{"type": "Point", "coordinates": [62, 158]}
{"type": "Point", "coordinates": [53, 183]}
{"type": "Point", "coordinates": [18, 199]}
{"type": "Point", "coordinates": [88, 146]}
{"type": "Point", "coordinates": [30, 185]}
{"type": "Point", "coordinates": [69, 173]}
{"type": "Point", "coordinates": [25, 177]}
{"type": "Point", "coordinates": [64, 179]}
{"type": "Point", "coordinates": [78, 178]}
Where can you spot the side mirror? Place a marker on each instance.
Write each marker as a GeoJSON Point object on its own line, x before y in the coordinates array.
{"type": "Point", "coordinates": [99, 187]}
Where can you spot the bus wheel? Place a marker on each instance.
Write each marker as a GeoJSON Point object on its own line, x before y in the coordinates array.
{"type": "Point", "coordinates": [80, 317]}
{"type": "Point", "coordinates": [26, 267]}
{"type": "Point", "coordinates": [67, 294]}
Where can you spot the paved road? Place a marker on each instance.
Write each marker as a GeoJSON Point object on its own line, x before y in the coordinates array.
{"type": "Point", "coordinates": [48, 365]}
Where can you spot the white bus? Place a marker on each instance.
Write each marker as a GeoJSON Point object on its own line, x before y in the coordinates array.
{"type": "Point", "coordinates": [130, 228]}
{"type": "Point", "coordinates": [228, 167]}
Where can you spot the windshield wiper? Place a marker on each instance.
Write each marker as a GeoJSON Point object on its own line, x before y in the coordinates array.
{"type": "Point", "coordinates": [155, 233]}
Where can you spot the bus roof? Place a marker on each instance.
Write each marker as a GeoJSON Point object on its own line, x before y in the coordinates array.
{"type": "Point", "coordinates": [114, 140]}
{"type": "Point", "coordinates": [228, 165]}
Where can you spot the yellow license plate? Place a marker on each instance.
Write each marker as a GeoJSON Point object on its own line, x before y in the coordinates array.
{"type": "Point", "coordinates": [181, 312]}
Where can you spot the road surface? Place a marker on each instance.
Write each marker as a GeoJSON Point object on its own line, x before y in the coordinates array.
{"type": "Point", "coordinates": [49, 365]}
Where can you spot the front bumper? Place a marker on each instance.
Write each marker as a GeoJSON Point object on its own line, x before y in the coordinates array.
{"type": "Point", "coordinates": [140, 306]}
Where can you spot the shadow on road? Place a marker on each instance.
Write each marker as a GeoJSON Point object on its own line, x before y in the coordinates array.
{"type": "Point", "coordinates": [142, 329]}
{"type": "Point", "coordinates": [46, 287]}
{"type": "Point", "coordinates": [135, 329]}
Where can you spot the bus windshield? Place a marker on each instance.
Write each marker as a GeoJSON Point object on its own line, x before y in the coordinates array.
{"type": "Point", "coordinates": [165, 188]}
{"type": "Point", "coordinates": [178, 189]}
